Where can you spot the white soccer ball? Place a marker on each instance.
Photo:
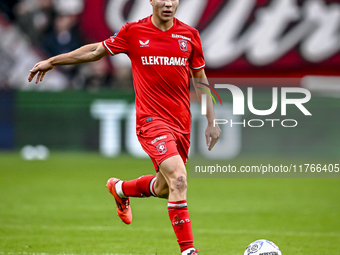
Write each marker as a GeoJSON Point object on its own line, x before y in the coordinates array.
{"type": "Point", "coordinates": [262, 247]}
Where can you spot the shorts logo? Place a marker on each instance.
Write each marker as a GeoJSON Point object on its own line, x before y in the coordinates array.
{"type": "Point", "coordinates": [183, 45]}
{"type": "Point", "coordinates": [161, 147]}
{"type": "Point", "coordinates": [158, 138]}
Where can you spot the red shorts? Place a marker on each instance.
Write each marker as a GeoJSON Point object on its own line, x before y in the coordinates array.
{"type": "Point", "coordinates": [161, 142]}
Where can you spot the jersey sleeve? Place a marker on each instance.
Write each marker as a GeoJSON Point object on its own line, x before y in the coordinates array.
{"type": "Point", "coordinates": [196, 60]}
{"type": "Point", "coordinates": [118, 43]}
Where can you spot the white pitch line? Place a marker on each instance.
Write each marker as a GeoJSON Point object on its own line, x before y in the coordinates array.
{"type": "Point", "coordinates": [198, 230]}
{"type": "Point", "coordinates": [60, 253]}
{"type": "Point", "coordinates": [268, 232]}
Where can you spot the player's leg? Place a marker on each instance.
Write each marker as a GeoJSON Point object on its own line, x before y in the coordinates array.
{"type": "Point", "coordinates": [122, 190]}
{"type": "Point", "coordinates": [140, 187]}
{"type": "Point", "coordinates": [151, 141]}
{"type": "Point", "coordinates": [161, 187]}
{"type": "Point", "coordinates": [174, 172]}
{"type": "Point", "coordinates": [144, 186]}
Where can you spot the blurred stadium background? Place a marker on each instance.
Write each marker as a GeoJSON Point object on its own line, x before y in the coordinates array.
{"type": "Point", "coordinates": [84, 116]}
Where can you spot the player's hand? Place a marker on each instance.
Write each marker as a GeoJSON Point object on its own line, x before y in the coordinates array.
{"type": "Point", "coordinates": [40, 69]}
{"type": "Point", "coordinates": [212, 134]}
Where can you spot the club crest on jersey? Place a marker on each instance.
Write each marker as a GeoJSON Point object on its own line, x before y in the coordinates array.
{"type": "Point", "coordinates": [161, 147]}
{"type": "Point", "coordinates": [183, 45]}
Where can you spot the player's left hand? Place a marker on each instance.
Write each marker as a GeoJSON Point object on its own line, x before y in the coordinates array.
{"type": "Point", "coordinates": [212, 134]}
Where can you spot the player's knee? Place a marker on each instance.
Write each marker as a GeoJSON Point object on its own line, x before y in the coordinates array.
{"type": "Point", "coordinates": [162, 191]}
{"type": "Point", "coordinates": [178, 183]}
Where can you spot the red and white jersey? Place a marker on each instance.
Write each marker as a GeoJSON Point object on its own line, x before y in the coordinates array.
{"type": "Point", "coordinates": [160, 66]}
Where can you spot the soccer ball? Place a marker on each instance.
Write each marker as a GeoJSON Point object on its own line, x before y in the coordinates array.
{"type": "Point", "coordinates": [262, 247]}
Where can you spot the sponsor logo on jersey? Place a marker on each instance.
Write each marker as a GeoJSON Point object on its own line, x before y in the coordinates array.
{"type": "Point", "coordinates": [158, 138]}
{"type": "Point", "coordinates": [144, 44]}
{"type": "Point", "coordinates": [166, 61]}
{"type": "Point", "coordinates": [162, 148]}
{"type": "Point", "coordinates": [181, 36]}
{"type": "Point", "coordinates": [183, 45]}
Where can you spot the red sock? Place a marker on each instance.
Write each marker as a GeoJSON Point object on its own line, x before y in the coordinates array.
{"type": "Point", "coordinates": [140, 187]}
{"type": "Point", "coordinates": [180, 220]}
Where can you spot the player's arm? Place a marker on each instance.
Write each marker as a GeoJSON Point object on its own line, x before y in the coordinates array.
{"type": "Point", "coordinates": [87, 53]}
{"type": "Point", "coordinates": [212, 132]}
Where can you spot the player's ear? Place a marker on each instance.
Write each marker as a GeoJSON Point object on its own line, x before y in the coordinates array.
{"type": "Point", "coordinates": [151, 2]}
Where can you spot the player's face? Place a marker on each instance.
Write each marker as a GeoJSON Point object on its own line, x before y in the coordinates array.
{"type": "Point", "coordinates": [164, 9]}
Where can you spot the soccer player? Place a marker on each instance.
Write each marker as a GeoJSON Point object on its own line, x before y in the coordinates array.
{"type": "Point", "coordinates": [164, 52]}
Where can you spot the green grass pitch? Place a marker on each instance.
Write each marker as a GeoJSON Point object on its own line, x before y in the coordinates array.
{"type": "Point", "coordinates": [61, 206]}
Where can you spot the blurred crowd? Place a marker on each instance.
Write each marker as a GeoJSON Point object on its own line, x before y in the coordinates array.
{"type": "Point", "coordinates": [52, 27]}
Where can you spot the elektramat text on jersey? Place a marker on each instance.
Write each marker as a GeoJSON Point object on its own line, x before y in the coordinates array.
{"type": "Point", "coordinates": [166, 61]}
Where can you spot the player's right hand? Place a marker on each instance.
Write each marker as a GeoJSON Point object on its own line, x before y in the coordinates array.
{"type": "Point", "coordinates": [40, 69]}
